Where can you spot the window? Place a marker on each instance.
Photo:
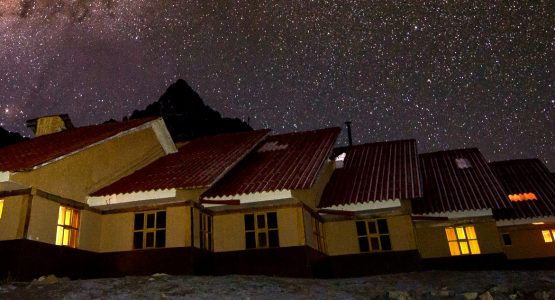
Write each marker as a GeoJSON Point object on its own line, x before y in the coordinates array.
{"type": "Point", "coordinates": [1, 207]}
{"type": "Point", "coordinates": [462, 163]}
{"type": "Point", "coordinates": [149, 230]}
{"type": "Point", "coordinates": [373, 235]}
{"type": "Point", "coordinates": [522, 197]}
{"type": "Point", "coordinates": [318, 235]}
{"type": "Point", "coordinates": [261, 230]}
{"type": "Point", "coordinates": [205, 231]}
{"type": "Point", "coordinates": [548, 235]}
{"type": "Point", "coordinates": [68, 227]}
{"type": "Point", "coordinates": [507, 239]}
{"type": "Point", "coordinates": [462, 240]}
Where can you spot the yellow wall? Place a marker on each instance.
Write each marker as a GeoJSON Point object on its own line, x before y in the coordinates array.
{"type": "Point", "coordinates": [229, 229]}
{"type": "Point", "coordinates": [90, 231]}
{"type": "Point", "coordinates": [117, 229]}
{"type": "Point", "coordinates": [311, 196]}
{"type": "Point", "coordinates": [341, 236]}
{"type": "Point", "coordinates": [43, 221]}
{"type": "Point", "coordinates": [191, 194]}
{"type": "Point", "coordinates": [13, 217]}
{"type": "Point", "coordinates": [309, 236]}
{"type": "Point", "coordinates": [432, 241]}
{"type": "Point", "coordinates": [77, 175]}
{"type": "Point", "coordinates": [527, 242]}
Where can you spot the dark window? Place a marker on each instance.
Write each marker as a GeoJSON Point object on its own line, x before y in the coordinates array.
{"type": "Point", "coordinates": [376, 238]}
{"type": "Point", "coordinates": [507, 239]}
{"type": "Point", "coordinates": [261, 230]}
{"type": "Point", "coordinates": [149, 230]}
{"type": "Point", "coordinates": [205, 231]}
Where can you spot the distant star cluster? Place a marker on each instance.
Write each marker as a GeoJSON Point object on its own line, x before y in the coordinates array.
{"type": "Point", "coordinates": [450, 74]}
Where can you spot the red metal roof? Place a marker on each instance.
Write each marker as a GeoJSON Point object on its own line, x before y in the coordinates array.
{"type": "Point", "coordinates": [450, 188]}
{"type": "Point", "coordinates": [197, 164]}
{"type": "Point", "coordinates": [526, 176]}
{"type": "Point", "coordinates": [39, 150]}
{"type": "Point", "coordinates": [283, 162]}
{"type": "Point", "coordinates": [373, 172]}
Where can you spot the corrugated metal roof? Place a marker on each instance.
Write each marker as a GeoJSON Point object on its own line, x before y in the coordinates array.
{"type": "Point", "coordinates": [39, 150]}
{"type": "Point", "coordinates": [373, 172]}
{"type": "Point", "coordinates": [197, 164]}
{"type": "Point", "coordinates": [283, 162]}
{"type": "Point", "coordinates": [458, 180]}
{"type": "Point", "coordinates": [526, 176]}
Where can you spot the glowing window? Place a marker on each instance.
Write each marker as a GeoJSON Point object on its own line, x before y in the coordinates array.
{"type": "Point", "coordinates": [261, 230]}
{"type": "Point", "coordinates": [1, 207]}
{"type": "Point", "coordinates": [522, 197]}
{"type": "Point", "coordinates": [548, 235]}
{"type": "Point", "coordinates": [462, 240]}
{"type": "Point", "coordinates": [206, 231]}
{"type": "Point", "coordinates": [462, 163]}
{"type": "Point", "coordinates": [373, 235]}
{"type": "Point", "coordinates": [149, 230]}
{"type": "Point", "coordinates": [68, 227]}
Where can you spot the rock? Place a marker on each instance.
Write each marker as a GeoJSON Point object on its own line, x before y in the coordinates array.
{"type": "Point", "coordinates": [159, 275]}
{"type": "Point", "coordinates": [486, 296]}
{"type": "Point", "coordinates": [398, 295]}
{"type": "Point", "coordinates": [445, 292]}
{"type": "Point", "coordinates": [470, 295]}
{"type": "Point", "coordinates": [513, 296]}
{"type": "Point", "coordinates": [50, 279]}
{"type": "Point", "coordinates": [541, 295]}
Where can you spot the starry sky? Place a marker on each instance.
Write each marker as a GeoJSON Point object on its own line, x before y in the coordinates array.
{"type": "Point", "coordinates": [450, 74]}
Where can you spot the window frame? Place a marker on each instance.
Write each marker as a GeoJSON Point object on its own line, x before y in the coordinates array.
{"type": "Point", "coordinates": [263, 232]}
{"type": "Point", "coordinates": [373, 234]}
{"type": "Point", "coordinates": [67, 227]}
{"type": "Point", "coordinates": [465, 239]}
{"type": "Point", "coordinates": [206, 232]}
{"type": "Point", "coordinates": [149, 233]}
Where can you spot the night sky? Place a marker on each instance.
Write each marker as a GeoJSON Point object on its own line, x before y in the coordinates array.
{"type": "Point", "coordinates": [450, 74]}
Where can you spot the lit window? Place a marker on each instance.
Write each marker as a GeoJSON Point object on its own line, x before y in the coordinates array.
{"type": "Point", "coordinates": [462, 163]}
{"type": "Point", "coordinates": [1, 207]}
{"type": "Point", "coordinates": [373, 235]}
{"type": "Point", "coordinates": [261, 230]}
{"type": "Point", "coordinates": [522, 197]}
{"type": "Point", "coordinates": [318, 235]}
{"type": "Point", "coordinates": [68, 227]}
{"type": "Point", "coordinates": [149, 230]}
{"type": "Point", "coordinates": [205, 231]}
{"type": "Point", "coordinates": [462, 240]}
{"type": "Point", "coordinates": [548, 235]}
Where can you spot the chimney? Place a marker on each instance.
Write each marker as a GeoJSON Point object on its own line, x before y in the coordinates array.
{"type": "Point", "coordinates": [348, 123]}
{"type": "Point", "coordinates": [49, 124]}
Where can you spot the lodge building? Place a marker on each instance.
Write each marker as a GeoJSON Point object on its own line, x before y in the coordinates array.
{"type": "Point", "coordinates": [124, 199]}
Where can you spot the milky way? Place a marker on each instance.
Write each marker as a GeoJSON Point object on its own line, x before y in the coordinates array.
{"type": "Point", "coordinates": [450, 74]}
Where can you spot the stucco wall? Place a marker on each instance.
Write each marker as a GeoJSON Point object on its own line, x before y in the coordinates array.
{"type": "Point", "coordinates": [527, 242]}
{"type": "Point", "coordinates": [432, 240]}
{"type": "Point", "coordinates": [13, 217]}
{"type": "Point", "coordinates": [77, 175]}
{"type": "Point", "coordinates": [90, 230]}
{"type": "Point", "coordinates": [341, 236]}
{"type": "Point", "coordinates": [43, 221]}
{"type": "Point", "coordinates": [229, 229]}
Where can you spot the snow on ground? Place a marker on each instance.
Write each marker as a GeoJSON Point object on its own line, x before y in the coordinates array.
{"type": "Point", "coordinates": [417, 285]}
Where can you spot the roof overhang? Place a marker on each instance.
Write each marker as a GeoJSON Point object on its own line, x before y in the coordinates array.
{"type": "Point", "coordinates": [487, 212]}
{"type": "Point", "coordinates": [6, 184]}
{"type": "Point", "coordinates": [255, 197]}
{"type": "Point", "coordinates": [371, 205]}
{"type": "Point", "coordinates": [525, 221]}
{"type": "Point", "coordinates": [131, 199]}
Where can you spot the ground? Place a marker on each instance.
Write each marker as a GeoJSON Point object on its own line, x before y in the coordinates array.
{"type": "Point", "coordinates": [416, 285]}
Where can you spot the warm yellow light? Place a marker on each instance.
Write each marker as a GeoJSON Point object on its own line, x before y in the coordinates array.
{"type": "Point", "coordinates": [450, 232]}
{"type": "Point", "coordinates": [470, 233]}
{"type": "Point", "coordinates": [1, 207]}
{"type": "Point", "coordinates": [538, 223]}
{"type": "Point", "coordinates": [61, 213]}
{"type": "Point", "coordinates": [464, 247]}
{"type": "Point", "coordinates": [522, 197]}
{"type": "Point", "coordinates": [454, 248]}
{"type": "Point", "coordinates": [460, 233]}
{"type": "Point", "coordinates": [474, 247]}
{"type": "Point", "coordinates": [547, 236]}
{"type": "Point", "coordinates": [59, 235]}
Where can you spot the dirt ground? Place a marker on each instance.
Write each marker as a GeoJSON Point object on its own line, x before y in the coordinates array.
{"type": "Point", "coordinates": [416, 285]}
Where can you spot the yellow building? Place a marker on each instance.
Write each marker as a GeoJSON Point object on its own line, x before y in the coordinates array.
{"type": "Point", "coordinates": [455, 219]}
{"type": "Point", "coordinates": [528, 228]}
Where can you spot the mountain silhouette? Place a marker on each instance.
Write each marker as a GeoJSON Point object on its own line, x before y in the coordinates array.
{"type": "Point", "coordinates": [8, 138]}
{"type": "Point", "coordinates": [186, 115]}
